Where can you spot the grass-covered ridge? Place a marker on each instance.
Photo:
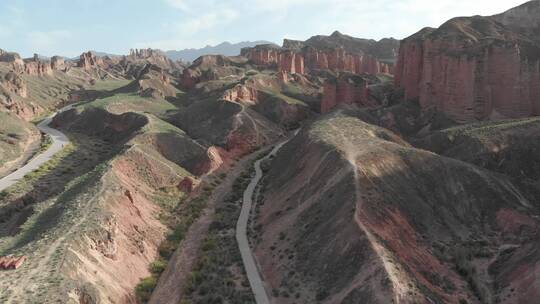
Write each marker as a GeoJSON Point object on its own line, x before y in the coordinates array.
{"type": "Point", "coordinates": [484, 129]}
{"type": "Point", "coordinates": [15, 135]}
{"type": "Point", "coordinates": [131, 102]}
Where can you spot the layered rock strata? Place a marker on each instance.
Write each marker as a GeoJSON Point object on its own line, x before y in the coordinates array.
{"type": "Point", "coordinates": [471, 69]}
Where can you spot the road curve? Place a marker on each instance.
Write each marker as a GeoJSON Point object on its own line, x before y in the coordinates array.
{"type": "Point", "coordinates": [59, 140]}
{"type": "Point", "coordinates": [252, 271]}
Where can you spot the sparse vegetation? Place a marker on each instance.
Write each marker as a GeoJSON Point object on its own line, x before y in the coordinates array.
{"type": "Point", "coordinates": [46, 142]}
{"type": "Point", "coordinates": [15, 134]}
{"type": "Point", "coordinates": [186, 212]}
{"type": "Point", "coordinates": [131, 102]}
{"type": "Point", "coordinates": [145, 287]}
{"type": "Point", "coordinates": [218, 276]}
{"type": "Point", "coordinates": [463, 257]}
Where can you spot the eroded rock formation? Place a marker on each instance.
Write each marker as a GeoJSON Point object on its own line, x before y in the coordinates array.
{"type": "Point", "coordinates": [337, 60]}
{"type": "Point", "coordinates": [155, 57]}
{"type": "Point", "coordinates": [265, 54]}
{"type": "Point", "coordinates": [58, 63]}
{"type": "Point", "coordinates": [346, 89]}
{"type": "Point", "coordinates": [13, 58]}
{"type": "Point", "coordinates": [339, 53]}
{"type": "Point", "coordinates": [32, 66]}
{"type": "Point", "coordinates": [36, 66]}
{"type": "Point", "coordinates": [472, 69]}
{"type": "Point", "coordinates": [212, 67]}
{"type": "Point", "coordinates": [291, 62]}
{"type": "Point", "coordinates": [14, 83]}
{"type": "Point", "coordinates": [241, 93]}
{"type": "Point", "coordinates": [89, 60]}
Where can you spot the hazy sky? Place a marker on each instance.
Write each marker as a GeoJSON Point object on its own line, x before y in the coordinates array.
{"type": "Point", "coordinates": [68, 27]}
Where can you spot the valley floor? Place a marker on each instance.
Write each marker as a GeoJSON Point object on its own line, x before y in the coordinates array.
{"type": "Point", "coordinates": [172, 285]}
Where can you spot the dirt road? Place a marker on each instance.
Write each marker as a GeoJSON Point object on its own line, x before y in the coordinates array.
{"type": "Point", "coordinates": [250, 265]}
{"type": "Point", "coordinates": [59, 140]}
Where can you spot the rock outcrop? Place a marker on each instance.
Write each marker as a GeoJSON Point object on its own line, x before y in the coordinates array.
{"type": "Point", "coordinates": [58, 63]}
{"type": "Point", "coordinates": [89, 60]}
{"type": "Point", "coordinates": [337, 60]}
{"type": "Point", "coordinates": [212, 67]}
{"type": "Point", "coordinates": [341, 61]}
{"type": "Point", "coordinates": [144, 53]}
{"type": "Point", "coordinates": [241, 93]}
{"type": "Point", "coordinates": [474, 68]}
{"type": "Point", "coordinates": [345, 90]}
{"type": "Point", "coordinates": [12, 58]}
{"type": "Point", "coordinates": [152, 56]}
{"type": "Point", "coordinates": [153, 81]}
{"type": "Point", "coordinates": [291, 62]}
{"type": "Point", "coordinates": [36, 66]}
{"type": "Point", "coordinates": [11, 262]}
{"type": "Point", "coordinates": [264, 54]}
{"type": "Point", "coordinates": [385, 49]}
{"type": "Point", "coordinates": [333, 53]}
{"type": "Point", "coordinates": [33, 66]}
{"type": "Point", "coordinates": [14, 83]}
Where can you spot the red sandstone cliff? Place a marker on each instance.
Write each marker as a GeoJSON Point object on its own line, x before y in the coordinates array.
{"type": "Point", "coordinates": [265, 54]}
{"type": "Point", "coordinates": [338, 53]}
{"type": "Point", "coordinates": [472, 69]}
{"type": "Point", "coordinates": [337, 60]}
{"type": "Point", "coordinates": [291, 62]}
{"type": "Point", "coordinates": [346, 89]}
{"type": "Point", "coordinates": [342, 61]}
{"type": "Point", "coordinates": [33, 66]}
{"type": "Point", "coordinates": [36, 66]}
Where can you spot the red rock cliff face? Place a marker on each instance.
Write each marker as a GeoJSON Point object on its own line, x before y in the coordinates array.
{"type": "Point", "coordinates": [471, 80]}
{"type": "Point", "coordinates": [345, 90]}
{"type": "Point", "coordinates": [340, 61]}
{"type": "Point", "coordinates": [337, 60]}
{"type": "Point", "coordinates": [38, 67]}
{"type": "Point", "coordinates": [291, 62]}
{"type": "Point", "coordinates": [33, 66]}
{"type": "Point", "coordinates": [262, 56]}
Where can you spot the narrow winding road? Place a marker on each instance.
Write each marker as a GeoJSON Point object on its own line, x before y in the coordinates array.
{"type": "Point", "coordinates": [250, 265]}
{"type": "Point", "coordinates": [59, 139]}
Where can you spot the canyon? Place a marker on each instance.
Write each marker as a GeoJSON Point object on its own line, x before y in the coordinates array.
{"type": "Point", "coordinates": [338, 54]}
{"type": "Point", "coordinates": [331, 170]}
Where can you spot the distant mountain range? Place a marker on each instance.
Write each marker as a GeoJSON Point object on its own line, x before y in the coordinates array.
{"type": "Point", "coordinates": [225, 48]}
{"type": "Point", "coordinates": [99, 54]}
{"type": "Point", "coordinates": [189, 55]}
